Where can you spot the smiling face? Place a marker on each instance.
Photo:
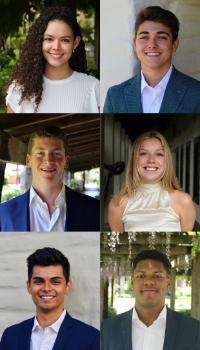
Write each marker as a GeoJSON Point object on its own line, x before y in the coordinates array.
{"type": "Point", "coordinates": [151, 160]}
{"type": "Point", "coordinates": [58, 43]}
{"type": "Point", "coordinates": [48, 288]}
{"type": "Point", "coordinates": [150, 284]}
{"type": "Point", "coordinates": [154, 46]}
{"type": "Point", "coordinates": [47, 161]}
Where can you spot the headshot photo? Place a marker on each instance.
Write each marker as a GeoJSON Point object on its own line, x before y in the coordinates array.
{"type": "Point", "coordinates": [51, 199]}
{"type": "Point", "coordinates": [148, 69]}
{"type": "Point", "coordinates": [46, 297]}
{"type": "Point", "coordinates": [150, 175]}
{"type": "Point", "coordinates": [52, 66]}
{"type": "Point", "coordinates": [149, 291]}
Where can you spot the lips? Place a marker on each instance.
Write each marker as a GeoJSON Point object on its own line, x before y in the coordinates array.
{"type": "Point", "coordinates": [151, 168]}
{"type": "Point", "coordinates": [56, 55]}
{"type": "Point", "coordinates": [47, 297]}
{"type": "Point", "coordinates": [149, 291]}
{"type": "Point", "coordinates": [48, 170]}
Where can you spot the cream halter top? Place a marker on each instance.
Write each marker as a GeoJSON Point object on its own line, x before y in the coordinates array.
{"type": "Point", "coordinates": [149, 210]}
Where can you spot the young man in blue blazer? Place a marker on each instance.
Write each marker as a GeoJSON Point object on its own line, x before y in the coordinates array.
{"type": "Point", "coordinates": [150, 324]}
{"type": "Point", "coordinates": [49, 205]}
{"type": "Point", "coordinates": [159, 87]}
{"type": "Point", "coordinates": [52, 328]}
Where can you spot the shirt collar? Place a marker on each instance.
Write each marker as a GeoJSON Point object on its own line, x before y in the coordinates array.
{"type": "Point", "coordinates": [162, 83]}
{"type": "Point", "coordinates": [162, 316]}
{"type": "Point", "coordinates": [60, 200]}
{"type": "Point", "coordinates": [55, 326]}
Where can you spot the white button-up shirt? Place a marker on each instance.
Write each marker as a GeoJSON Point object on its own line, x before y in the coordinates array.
{"type": "Point", "coordinates": [40, 219]}
{"type": "Point", "coordinates": [44, 338]}
{"type": "Point", "coordinates": [152, 337]}
{"type": "Point", "coordinates": [152, 96]}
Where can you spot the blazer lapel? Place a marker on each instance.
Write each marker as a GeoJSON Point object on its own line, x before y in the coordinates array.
{"type": "Point", "coordinates": [132, 95]}
{"type": "Point", "coordinates": [20, 216]}
{"type": "Point", "coordinates": [63, 341]}
{"type": "Point", "coordinates": [25, 338]}
{"type": "Point", "coordinates": [126, 326]}
{"type": "Point", "coordinates": [174, 93]}
{"type": "Point", "coordinates": [170, 332]}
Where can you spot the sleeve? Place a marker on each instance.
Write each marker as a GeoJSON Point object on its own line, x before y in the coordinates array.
{"type": "Point", "coordinates": [95, 96]}
{"type": "Point", "coordinates": [108, 108]}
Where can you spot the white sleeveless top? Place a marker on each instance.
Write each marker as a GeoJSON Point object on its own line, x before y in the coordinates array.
{"type": "Point", "coordinates": [149, 210]}
{"type": "Point", "coordinates": [78, 93]}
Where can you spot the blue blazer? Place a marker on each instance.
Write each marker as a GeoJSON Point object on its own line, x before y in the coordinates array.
{"type": "Point", "coordinates": [182, 95]}
{"type": "Point", "coordinates": [83, 213]}
{"type": "Point", "coordinates": [182, 332]}
{"type": "Point", "coordinates": [72, 335]}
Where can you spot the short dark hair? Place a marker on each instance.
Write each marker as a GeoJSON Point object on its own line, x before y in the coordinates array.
{"type": "Point", "coordinates": [154, 255]}
{"type": "Point", "coordinates": [48, 131]}
{"type": "Point", "coordinates": [158, 14]}
{"type": "Point", "coordinates": [45, 257]}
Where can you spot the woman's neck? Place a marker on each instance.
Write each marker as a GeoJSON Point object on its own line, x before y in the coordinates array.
{"type": "Point", "coordinates": [58, 73]}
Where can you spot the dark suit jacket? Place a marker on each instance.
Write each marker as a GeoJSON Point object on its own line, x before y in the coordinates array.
{"type": "Point", "coordinates": [83, 213]}
{"type": "Point", "coordinates": [182, 332]}
{"type": "Point", "coordinates": [182, 95]}
{"type": "Point", "coordinates": [72, 335]}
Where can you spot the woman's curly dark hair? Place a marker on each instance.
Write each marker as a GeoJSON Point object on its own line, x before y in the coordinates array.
{"type": "Point", "coordinates": [29, 70]}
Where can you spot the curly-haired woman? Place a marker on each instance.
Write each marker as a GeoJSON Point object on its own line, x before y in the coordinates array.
{"type": "Point", "coordinates": [151, 199]}
{"type": "Point", "coordinates": [50, 76]}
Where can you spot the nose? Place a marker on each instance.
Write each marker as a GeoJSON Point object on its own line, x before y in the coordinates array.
{"type": "Point", "coordinates": [149, 281]}
{"type": "Point", "coordinates": [49, 157]}
{"type": "Point", "coordinates": [47, 286]}
{"type": "Point", "coordinates": [152, 42]}
{"type": "Point", "coordinates": [56, 44]}
{"type": "Point", "coordinates": [151, 158]}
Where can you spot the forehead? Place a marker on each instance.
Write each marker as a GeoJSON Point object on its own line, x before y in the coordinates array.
{"type": "Point", "coordinates": [47, 271]}
{"type": "Point", "coordinates": [47, 142]}
{"type": "Point", "coordinates": [150, 265]}
{"type": "Point", "coordinates": [151, 142]}
{"type": "Point", "coordinates": [58, 27]}
{"type": "Point", "coordinates": [153, 27]}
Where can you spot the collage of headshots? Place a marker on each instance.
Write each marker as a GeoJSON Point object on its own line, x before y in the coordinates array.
{"type": "Point", "coordinates": [100, 175]}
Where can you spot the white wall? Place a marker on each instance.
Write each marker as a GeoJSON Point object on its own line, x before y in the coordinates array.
{"type": "Point", "coordinates": [82, 250]}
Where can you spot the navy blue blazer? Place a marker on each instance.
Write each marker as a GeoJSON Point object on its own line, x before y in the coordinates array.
{"type": "Point", "coordinates": [181, 333]}
{"type": "Point", "coordinates": [73, 335]}
{"type": "Point", "coordinates": [182, 95]}
{"type": "Point", "coordinates": [83, 213]}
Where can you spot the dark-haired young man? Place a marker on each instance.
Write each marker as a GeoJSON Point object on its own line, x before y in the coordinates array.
{"type": "Point", "coordinates": [52, 328]}
{"type": "Point", "coordinates": [49, 205]}
{"type": "Point", "coordinates": [150, 324]}
{"type": "Point", "coordinates": [159, 87]}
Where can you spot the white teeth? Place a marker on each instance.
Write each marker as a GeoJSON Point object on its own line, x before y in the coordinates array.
{"type": "Point", "coordinates": [150, 169]}
{"type": "Point", "coordinates": [152, 53]}
{"type": "Point", "coordinates": [47, 297]}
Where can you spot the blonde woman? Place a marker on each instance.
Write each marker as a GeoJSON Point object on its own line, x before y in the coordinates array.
{"type": "Point", "coordinates": [151, 199]}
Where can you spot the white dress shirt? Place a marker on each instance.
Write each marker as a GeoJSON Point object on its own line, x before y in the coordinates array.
{"type": "Point", "coordinates": [44, 338]}
{"type": "Point", "coordinates": [152, 337]}
{"type": "Point", "coordinates": [152, 96]}
{"type": "Point", "coordinates": [40, 219]}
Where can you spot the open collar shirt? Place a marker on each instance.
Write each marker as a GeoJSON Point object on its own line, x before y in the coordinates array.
{"type": "Point", "coordinates": [44, 338]}
{"type": "Point", "coordinates": [40, 219]}
{"type": "Point", "coordinates": [152, 96]}
{"type": "Point", "coordinates": [152, 337]}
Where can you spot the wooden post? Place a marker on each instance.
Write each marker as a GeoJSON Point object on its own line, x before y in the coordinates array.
{"type": "Point", "coordinates": [195, 310]}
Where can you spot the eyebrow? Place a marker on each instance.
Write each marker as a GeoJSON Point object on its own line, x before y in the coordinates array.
{"type": "Point", "coordinates": [156, 271]}
{"type": "Point", "coordinates": [159, 32]}
{"type": "Point", "coordinates": [146, 149]}
{"type": "Point", "coordinates": [51, 278]}
{"type": "Point", "coordinates": [62, 37]}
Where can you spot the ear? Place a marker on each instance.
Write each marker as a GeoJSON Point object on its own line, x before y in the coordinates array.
{"type": "Point", "coordinates": [28, 287]}
{"type": "Point", "coordinates": [66, 162]}
{"type": "Point", "coordinates": [175, 45]}
{"type": "Point", "coordinates": [76, 41]}
{"type": "Point", "coordinates": [68, 287]}
{"type": "Point", "coordinates": [28, 160]}
{"type": "Point", "coordinates": [134, 43]}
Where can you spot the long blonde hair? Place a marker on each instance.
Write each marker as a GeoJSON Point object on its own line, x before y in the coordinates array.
{"type": "Point", "coordinates": [133, 179]}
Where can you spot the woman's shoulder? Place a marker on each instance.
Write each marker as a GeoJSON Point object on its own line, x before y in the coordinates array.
{"type": "Point", "coordinates": [118, 202]}
{"type": "Point", "coordinates": [181, 197]}
{"type": "Point", "coordinates": [90, 79]}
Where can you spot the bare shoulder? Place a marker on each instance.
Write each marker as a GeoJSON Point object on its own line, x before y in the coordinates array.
{"type": "Point", "coordinates": [181, 199]}
{"type": "Point", "coordinates": [118, 202]}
